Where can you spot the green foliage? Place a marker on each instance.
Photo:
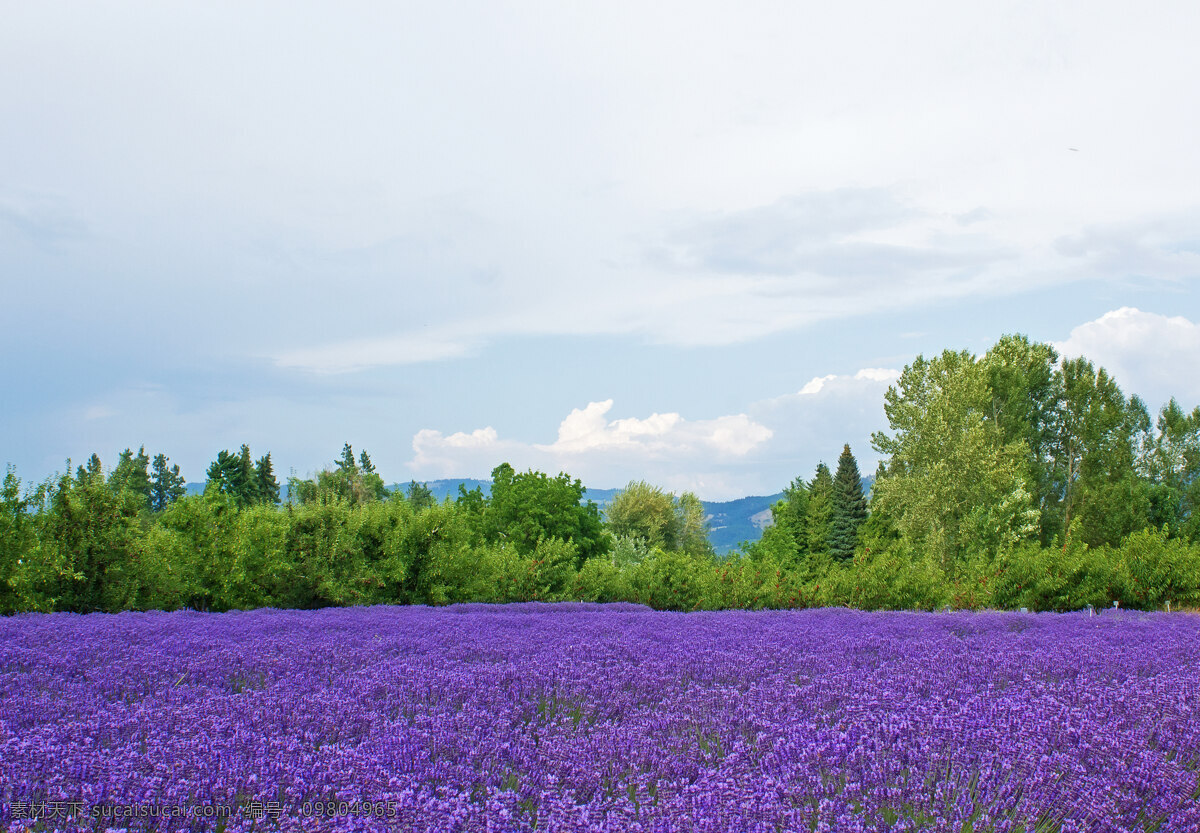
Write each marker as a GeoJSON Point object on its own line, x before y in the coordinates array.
{"type": "Point", "coordinates": [89, 546]}
{"type": "Point", "coordinates": [234, 475]}
{"type": "Point", "coordinates": [602, 580]}
{"type": "Point", "coordinates": [547, 574]}
{"type": "Point", "coordinates": [524, 509]}
{"type": "Point", "coordinates": [849, 507]}
{"type": "Point", "coordinates": [166, 485]}
{"type": "Point", "coordinates": [346, 482]}
{"type": "Point", "coordinates": [646, 512]}
{"type": "Point", "coordinates": [419, 495]}
{"type": "Point", "coordinates": [132, 474]}
{"type": "Point", "coordinates": [818, 523]}
{"type": "Point", "coordinates": [18, 542]}
{"type": "Point", "coordinates": [952, 477]}
{"type": "Point", "coordinates": [894, 578]}
{"type": "Point", "coordinates": [659, 519]}
{"type": "Point", "coordinates": [790, 516]}
{"type": "Point", "coordinates": [674, 581]}
{"type": "Point", "coordinates": [266, 486]}
{"type": "Point", "coordinates": [1095, 452]}
{"type": "Point", "coordinates": [193, 543]}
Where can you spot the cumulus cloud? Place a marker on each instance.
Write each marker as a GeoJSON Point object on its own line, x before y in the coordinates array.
{"type": "Point", "coordinates": [1155, 356]}
{"type": "Point", "coordinates": [870, 374]}
{"type": "Point", "coordinates": [586, 430]}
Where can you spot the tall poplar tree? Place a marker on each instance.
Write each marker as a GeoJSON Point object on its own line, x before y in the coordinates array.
{"type": "Point", "coordinates": [849, 507]}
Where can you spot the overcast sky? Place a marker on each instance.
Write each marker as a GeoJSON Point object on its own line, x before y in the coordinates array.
{"type": "Point", "coordinates": [684, 242]}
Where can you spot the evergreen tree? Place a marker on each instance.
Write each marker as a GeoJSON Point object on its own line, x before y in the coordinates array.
{"type": "Point", "coordinates": [245, 482]}
{"type": "Point", "coordinates": [849, 507]}
{"type": "Point", "coordinates": [224, 473]}
{"type": "Point", "coordinates": [364, 462]}
{"type": "Point", "coordinates": [166, 485]}
{"type": "Point", "coordinates": [132, 473]}
{"type": "Point", "coordinates": [420, 497]}
{"type": "Point", "coordinates": [819, 520]}
{"type": "Point", "coordinates": [94, 469]}
{"type": "Point", "coordinates": [346, 464]}
{"type": "Point", "coordinates": [264, 477]}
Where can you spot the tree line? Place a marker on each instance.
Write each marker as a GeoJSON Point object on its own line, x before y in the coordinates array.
{"type": "Point", "coordinates": [1012, 479]}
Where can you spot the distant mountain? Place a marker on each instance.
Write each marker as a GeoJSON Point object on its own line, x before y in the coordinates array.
{"type": "Point", "coordinates": [733, 521]}
{"type": "Point", "coordinates": [730, 522]}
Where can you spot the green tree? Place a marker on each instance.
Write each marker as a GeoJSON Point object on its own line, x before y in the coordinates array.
{"type": "Point", "coordinates": [245, 484]}
{"type": "Point", "coordinates": [1094, 455]}
{"type": "Point", "coordinates": [790, 512]}
{"type": "Point", "coordinates": [646, 512]}
{"type": "Point", "coordinates": [346, 463]}
{"type": "Point", "coordinates": [90, 539]}
{"type": "Point", "coordinates": [1172, 462]}
{"type": "Point", "coordinates": [419, 495]}
{"type": "Point", "coordinates": [692, 523]}
{"type": "Point", "coordinates": [818, 522]}
{"type": "Point", "coordinates": [1026, 396]}
{"type": "Point", "coordinates": [224, 474]}
{"type": "Point", "coordinates": [132, 473]}
{"type": "Point", "coordinates": [849, 507]}
{"type": "Point", "coordinates": [344, 482]}
{"type": "Point", "coordinates": [525, 508]}
{"type": "Point", "coordinates": [166, 484]}
{"type": "Point", "coordinates": [18, 541]}
{"type": "Point", "coordinates": [953, 487]}
{"type": "Point", "coordinates": [94, 469]}
{"type": "Point", "coordinates": [266, 486]}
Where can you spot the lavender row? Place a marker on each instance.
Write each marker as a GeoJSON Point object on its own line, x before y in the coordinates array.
{"type": "Point", "coordinates": [600, 717]}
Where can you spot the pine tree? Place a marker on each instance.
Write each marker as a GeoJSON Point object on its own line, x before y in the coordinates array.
{"type": "Point", "coordinates": [132, 473]}
{"type": "Point", "coordinates": [224, 473]}
{"type": "Point", "coordinates": [364, 462]}
{"type": "Point", "coordinates": [166, 485]}
{"type": "Point", "coordinates": [849, 507]}
{"type": "Point", "coordinates": [419, 496]}
{"type": "Point", "coordinates": [268, 486]}
{"type": "Point", "coordinates": [820, 510]}
{"type": "Point", "coordinates": [245, 482]}
{"type": "Point", "coordinates": [347, 464]}
{"type": "Point", "coordinates": [94, 469]}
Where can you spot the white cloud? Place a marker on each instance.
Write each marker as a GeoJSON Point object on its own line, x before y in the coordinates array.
{"type": "Point", "coordinates": [445, 455]}
{"type": "Point", "coordinates": [878, 374]}
{"type": "Point", "coordinates": [815, 385]}
{"type": "Point", "coordinates": [587, 430]}
{"type": "Point", "coordinates": [1155, 356]}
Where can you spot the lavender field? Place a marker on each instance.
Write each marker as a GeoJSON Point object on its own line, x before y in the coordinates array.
{"type": "Point", "coordinates": [600, 717]}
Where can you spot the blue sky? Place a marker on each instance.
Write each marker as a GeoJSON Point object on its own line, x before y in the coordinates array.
{"type": "Point", "coordinates": [690, 244]}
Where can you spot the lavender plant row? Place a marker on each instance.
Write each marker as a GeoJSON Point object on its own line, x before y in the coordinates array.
{"type": "Point", "coordinates": [600, 718]}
